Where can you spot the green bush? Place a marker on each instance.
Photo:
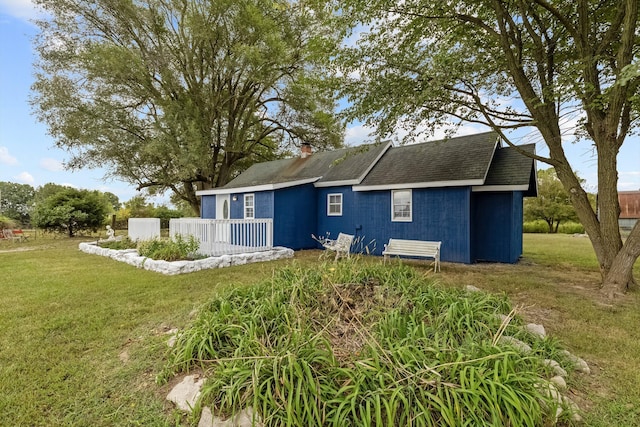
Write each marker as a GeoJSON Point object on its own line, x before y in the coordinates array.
{"type": "Point", "coordinates": [125, 243]}
{"type": "Point", "coordinates": [540, 226]}
{"type": "Point", "coordinates": [571, 228]}
{"type": "Point", "coordinates": [537, 226]}
{"type": "Point", "coordinates": [174, 249]}
{"type": "Point", "coordinates": [362, 345]}
{"type": "Point", "coordinates": [6, 222]}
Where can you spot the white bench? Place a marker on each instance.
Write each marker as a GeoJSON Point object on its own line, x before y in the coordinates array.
{"type": "Point", "coordinates": [413, 248]}
{"type": "Point", "coordinates": [341, 245]}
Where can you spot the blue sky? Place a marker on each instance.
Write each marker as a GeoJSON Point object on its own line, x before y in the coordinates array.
{"type": "Point", "coordinates": [28, 154]}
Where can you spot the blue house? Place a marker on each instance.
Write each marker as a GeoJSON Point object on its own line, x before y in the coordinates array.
{"type": "Point", "coordinates": [466, 192]}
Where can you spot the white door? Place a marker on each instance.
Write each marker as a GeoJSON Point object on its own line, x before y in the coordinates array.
{"type": "Point", "coordinates": [223, 229]}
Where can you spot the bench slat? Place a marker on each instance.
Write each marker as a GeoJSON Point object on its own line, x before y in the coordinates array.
{"type": "Point", "coordinates": [414, 248]}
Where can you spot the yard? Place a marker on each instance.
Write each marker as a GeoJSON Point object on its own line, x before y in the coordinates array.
{"type": "Point", "coordinates": [83, 337]}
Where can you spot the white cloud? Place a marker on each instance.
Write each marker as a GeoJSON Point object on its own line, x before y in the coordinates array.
{"type": "Point", "coordinates": [22, 9]}
{"type": "Point", "coordinates": [7, 158]}
{"type": "Point", "coordinates": [51, 165]}
{"type": "Point", "coordinates": [25, 178]}
{"type": "Point", "coordinates": [629, 181]}
{"type": "Point", "coordinates": [358, 134]}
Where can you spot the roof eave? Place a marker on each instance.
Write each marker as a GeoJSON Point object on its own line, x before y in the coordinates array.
{"type": "Point", "coordinates": [257, 188]}
{"type": "Point", "coordinates": [432, 184]}
{"type": "Point", "coordinates": [484, 188]}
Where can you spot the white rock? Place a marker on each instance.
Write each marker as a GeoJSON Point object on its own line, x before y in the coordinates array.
{"type": "Point", "coordinates": [501, 317]}
{"type": "Point", "coordinates": [555, 366]}
{"type": "Point", "coordinates": [559, 382]}
{"type": "Point", "coordinates": [186, 393]}
{"type": "Point", "coordinates": [206, 418]}
{"type": "Point", "coordinates": [131, 257]}
{"type": "Point", "coordinates": [242, 419]}
{"type": "Point", "coordinates": [535, 329]}
{"type": "Point", "coordinates": [471, 288]}
{"type": "Point", "coordinates": [579, 364]}
{"type": "Point", "coordinates": [516, 343]}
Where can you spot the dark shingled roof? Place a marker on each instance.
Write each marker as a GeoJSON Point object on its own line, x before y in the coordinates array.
{"type": "Point", "coordinates": [509, 167]}
{"type": "Point", "coordinates": [344, 164]}
{"type": "Point", "coordinates": [462, 158]}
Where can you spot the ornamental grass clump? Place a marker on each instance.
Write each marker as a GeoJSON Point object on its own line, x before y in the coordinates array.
{"type": "Point", "coordinates": [174, 249]}
{"type": "Point", "coordinates": [355, 344]}
{"type": "Point", "coordinates": [125, 243]}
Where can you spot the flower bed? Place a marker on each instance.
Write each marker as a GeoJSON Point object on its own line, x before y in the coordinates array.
{"type": "Point", "coordinates": [131, 256]}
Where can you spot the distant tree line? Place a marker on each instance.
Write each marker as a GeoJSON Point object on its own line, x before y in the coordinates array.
{"type": "Point", "coordinates": [68, 210]}
{"type": "Point", "coordinates": [553, 204]}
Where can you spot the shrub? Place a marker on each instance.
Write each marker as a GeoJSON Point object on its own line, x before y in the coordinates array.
{"type": "Point", "coordinates": [360, 345]}
{"type": "Point", "coordinates": [6, 222]}
{"type": "Point", "coordinates": [571, 228]}
{"type": "Point", "coordinates": [125, 243]}
{"type": "Point", "coordinates": [537, 226]}
{"type": "Point", "coordinates": [174, 249]}
{"type": "Point", "coordinates": [540, 226]}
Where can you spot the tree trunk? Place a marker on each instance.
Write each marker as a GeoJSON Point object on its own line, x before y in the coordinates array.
{"type": "Point", "coordinates": [550, 225]}
{"type": "Point", "coordinates": [556, 228]}
{"type": "Point", "coordinates": [619, 278]}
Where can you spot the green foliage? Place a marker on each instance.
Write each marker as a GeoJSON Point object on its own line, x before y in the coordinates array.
{"type": "Point", "coordinates": [571, 228]}
{"type": "Point", "coordinates": [540, 226]}
{"type": "Point", "coordinates": [179, 95]}
{"type": "Point", "coordinates": [113, 201]}
{"type": "Point", "coordinates": [70, 210]}
{"type": "Point", "coordinates": [16, 201]}
{"type": "Point", "coordinates": [553, 204]}
{"type": "Point", "coordinates": [421, 65]}
{"type": "Point", "coordinates": [174, 249]}
{"type": "Point", "coordinates": [139, 207]}
{"type": "Point", "coordinates": [121, 244]}
{"type": "Point", "coordinates": [6, 222]}
{"type": "Point", "coordinates": [351, 344]}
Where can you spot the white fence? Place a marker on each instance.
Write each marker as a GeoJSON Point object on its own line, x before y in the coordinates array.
{"type": "Point", "coordinates": [226, 236]}
{"type": "Point", "coordinates": [144, 228]}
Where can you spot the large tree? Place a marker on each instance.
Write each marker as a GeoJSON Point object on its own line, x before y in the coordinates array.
{"type": "Point", "coordinates": [71, 210]}
{"type": "Point", "coordinates": [16, 201]}
{"type": "Point", "coordinates": [508, 64]}
{"type": "Point", "coordinates": [179, 94]}
{"type": "Point", "coordinates": [553, 204]}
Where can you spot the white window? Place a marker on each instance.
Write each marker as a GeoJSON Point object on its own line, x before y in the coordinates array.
{"type": "Point", "coordinates": [334, 204]}
{"type": "Point", "coordinates": [249, 207]}
{"type": "Point", "coordinates": [401, 205]}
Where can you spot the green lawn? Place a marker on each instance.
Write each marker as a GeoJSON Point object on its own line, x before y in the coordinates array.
{"type": "Point", "coordinates": [82, 337]}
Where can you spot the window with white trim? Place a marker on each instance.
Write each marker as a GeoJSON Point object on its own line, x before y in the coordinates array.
{"type": "Point", "coordinates": [249, 206]}
{"type": "Point", "coordinates": [334, 204]}
{"type": "Point", "coordinates": [401, 206]}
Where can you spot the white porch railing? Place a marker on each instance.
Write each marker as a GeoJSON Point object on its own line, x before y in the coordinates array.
{"type": "Point", "coordinates": [144, 228]}
{"type": "Point", "coordinates": [226, 236]}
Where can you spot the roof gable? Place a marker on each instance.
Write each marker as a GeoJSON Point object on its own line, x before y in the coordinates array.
{"type": "Point", "coordinates": [462, 160]}
{"type": "Point", "coordinates": [511, 170]}
{"type": "Point", "coordinates": [346, 166]}
{"type": "Point", "coordinates": [474, 160]}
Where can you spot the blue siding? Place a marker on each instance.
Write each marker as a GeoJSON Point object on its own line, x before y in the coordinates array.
{"type": "Point", "coordinates": [471, 226]}
{"type": "Point", "coordinates": [348, 222]}
{"type": "Point", "coordinates": [497, 226]}
{"type": "Point", "coordinates": [294, 213]}
{"type": "Point", "coordinates": [208, 207]}
{"type": "Point", "coordinates": [263, 205]}
{"type": "Point", "coordinates": [438, 214]}
{"type": "Point", "coordinates": [516, 226]}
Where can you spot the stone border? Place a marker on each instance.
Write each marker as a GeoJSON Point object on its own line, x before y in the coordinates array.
{"type": "Point", "coordinates": [131, 257]}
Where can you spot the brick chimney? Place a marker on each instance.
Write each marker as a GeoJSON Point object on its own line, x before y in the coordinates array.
{"type": "Point", "coordinates": [305, 150]}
